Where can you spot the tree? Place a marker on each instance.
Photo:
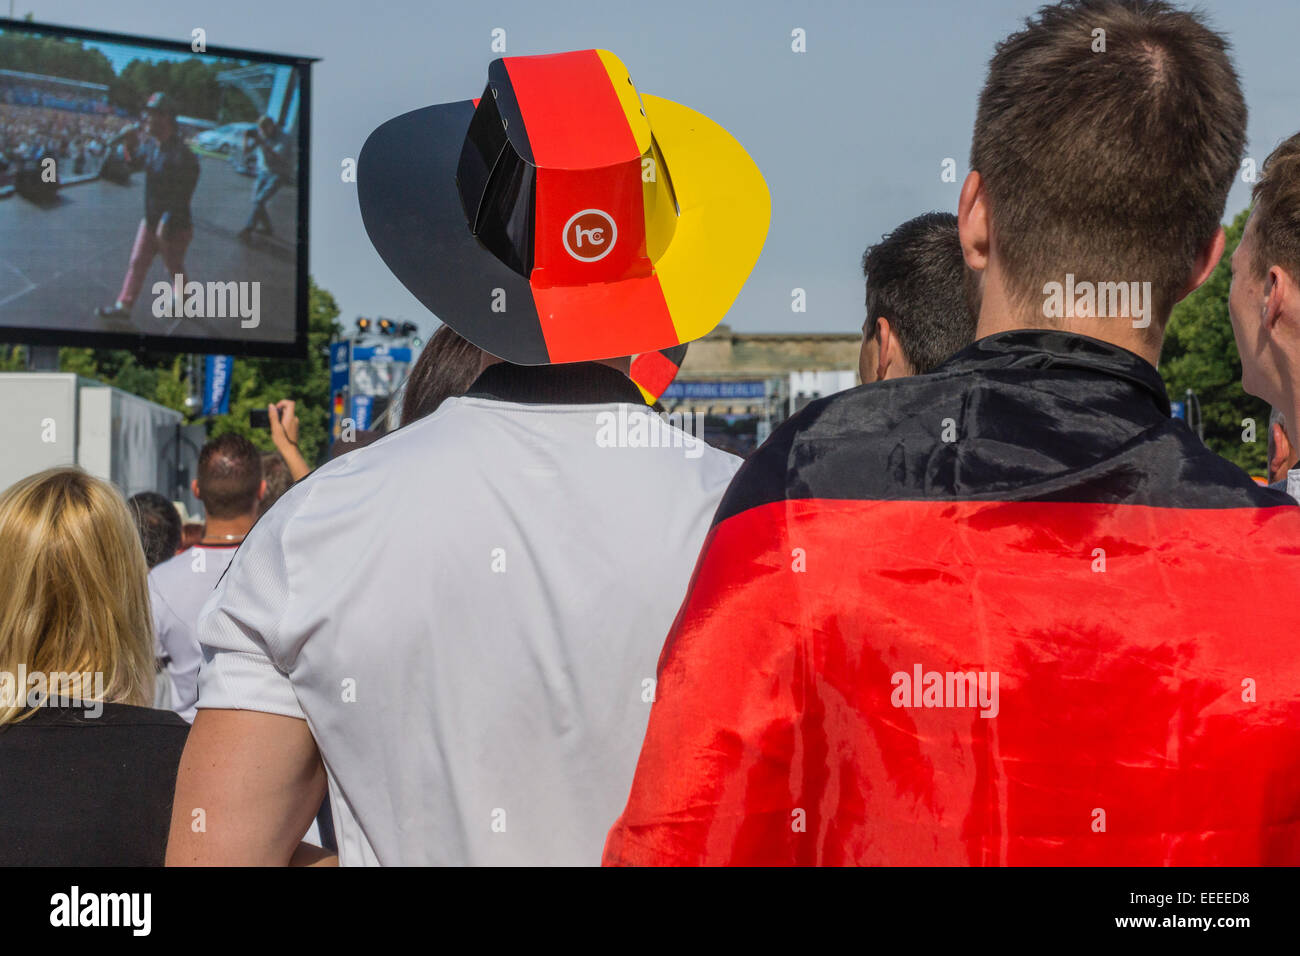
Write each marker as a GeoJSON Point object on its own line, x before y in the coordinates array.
{"type": "Point", "coordinates": [1200, 353]}
{"type": "Point", "coordinates": [256, 383]}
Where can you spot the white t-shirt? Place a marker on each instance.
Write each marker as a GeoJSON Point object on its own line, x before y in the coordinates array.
{"type": "Point", "coordinates": [469, 614]}
{"type": "Point", "coordinates": [177, 589]}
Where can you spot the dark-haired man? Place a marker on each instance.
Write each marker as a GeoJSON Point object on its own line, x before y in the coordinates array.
{"type": "Point", "coordinates": [159, 525]}
{"type": "Point", "coordinates": [1001, 614]}
{"type": "Point", "coordinates": [1264, 303]}
{"type": "Point", "coordinates": [230, 485]}
{"type": "Point", "coordinates": [916, 300]}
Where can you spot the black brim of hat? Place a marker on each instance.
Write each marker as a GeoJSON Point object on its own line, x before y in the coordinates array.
{"type": "Point", "coordinates": [411, 208]}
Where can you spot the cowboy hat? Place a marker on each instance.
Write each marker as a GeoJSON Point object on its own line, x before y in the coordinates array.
{"type": "Point", "coordinates": [562, 216]}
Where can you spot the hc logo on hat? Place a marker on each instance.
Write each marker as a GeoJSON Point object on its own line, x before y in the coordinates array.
{"type": "Point", "coordinates": [589, 235]}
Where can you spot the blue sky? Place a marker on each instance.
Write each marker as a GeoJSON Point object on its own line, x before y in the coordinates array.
{"type": "Point", "coordinates": [851, 135]}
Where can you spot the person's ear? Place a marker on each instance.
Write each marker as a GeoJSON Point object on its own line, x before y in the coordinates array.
{"type": "Point", "coordinates": [194, 488]}
{"type": "Point", "coordinates": [887, 353]}
{"type": "Point", "coordinates": [973, 222]}
{"type": "Point", "coordinates": [1206, 260]}
{"type": "Point", "coordinates": [1280, 295]}
{"type": "Point", "coordinates": [1281, 450]}
{"type": "Point", "coordinates": [261, 490]}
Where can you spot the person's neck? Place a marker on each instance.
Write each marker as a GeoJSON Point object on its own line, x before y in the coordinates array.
{"type": "Point", "coordinates": [228, 529]}
{"type": "Point", "coordinates": [999, 314]}
{"type": "Point", "coordinates": [621, 364]}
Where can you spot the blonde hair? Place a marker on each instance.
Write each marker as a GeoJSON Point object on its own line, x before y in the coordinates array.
{"type": "Point", "coordinates": [74, 595]}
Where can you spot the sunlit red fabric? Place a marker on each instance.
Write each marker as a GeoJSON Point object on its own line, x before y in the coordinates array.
{"type": "Point", "coordinates": [1148, 680]}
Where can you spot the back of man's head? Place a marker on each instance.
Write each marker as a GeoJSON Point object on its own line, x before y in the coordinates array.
{"type": "Point", "coordinates": [915, 280]}
{"type": "Point", "coordinates": [159, 525]}
{"type": "Point", "coordinates": [230, 477]}
{"type": "Point", "coordinates": [1275, 220]}
{"type": "Point", "coordinates": [278, 480]}
{"type": "Point", "coordinates": [1107, 137]}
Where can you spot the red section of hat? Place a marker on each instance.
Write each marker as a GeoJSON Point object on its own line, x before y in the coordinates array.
{"type": "Point", "coordinates": [605, 320]}
{"type": "Point", "coordinates": [654, 372]}
{"type": "Point", "coordinates": [572, 115]}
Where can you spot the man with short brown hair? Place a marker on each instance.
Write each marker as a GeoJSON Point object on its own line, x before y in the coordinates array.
{"type": "Point", "coordinates": [230, 485]}
{"type": "Point", "coordinates": [1106, 140]}
{"type": "Point", "coordinates": [1002, 614]}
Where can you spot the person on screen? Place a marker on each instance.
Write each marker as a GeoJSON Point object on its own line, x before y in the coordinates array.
{"type": "Point", "coordinates": [273, 159]}
{"type": "Point", "coordinates": [171, 175]}
{"type": "Point", "coordinates": [89, 770]}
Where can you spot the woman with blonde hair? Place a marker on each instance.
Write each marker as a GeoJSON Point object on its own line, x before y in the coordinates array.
{"type": "Point", "coordinates": [87, 767]}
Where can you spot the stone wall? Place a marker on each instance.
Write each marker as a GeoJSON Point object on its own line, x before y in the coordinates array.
{"type": "Point", "coordinates": [725, 354]}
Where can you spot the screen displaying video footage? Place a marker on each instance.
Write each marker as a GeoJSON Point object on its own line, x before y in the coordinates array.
{"type": "Point", "coordinates": [151, 196]}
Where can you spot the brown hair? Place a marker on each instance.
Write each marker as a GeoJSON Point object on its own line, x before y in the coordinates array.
{"type": "Point", "coordinates": [159, 525]}
{"type": "Point", "coordinates": [915, 279]}
{"type": "Point", "coordinates": [230, 475]}
{"type": "Point", "coordinates": [447, 366]}
{"type": "Point", "coordinates": [1276, 219]}
{"type": "Point", "coordinates": [278, 480]}
{"type": "Point", "coordinates": [1112, 165]}
{"type": "Point", "coordinates": [74, 597]}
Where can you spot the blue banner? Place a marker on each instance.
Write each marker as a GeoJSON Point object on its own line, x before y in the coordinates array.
{"type": "Point", "coordinates": [216, 384]}
{"type": "Point", "coordinates": [367, 353]}
{"type": "Point", "coordinates": [340, 385]}
{"type": "Point", "coordinates": [361, 405]}
{"type": "Point", "coordinates": [716, 390]}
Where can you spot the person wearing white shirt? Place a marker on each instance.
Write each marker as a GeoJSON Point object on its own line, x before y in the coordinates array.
{"type": "Point", "coordinates": [455, 630]}
{"type": "Point", "coordinates": [229, 483]}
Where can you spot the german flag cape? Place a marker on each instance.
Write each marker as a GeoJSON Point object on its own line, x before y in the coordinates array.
{"type": "Point", "coordinates": [1006, 613]}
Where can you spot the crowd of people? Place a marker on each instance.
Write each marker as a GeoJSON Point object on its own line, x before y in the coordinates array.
{"type": "Point", "coordinates": [30, 133]}
{"type": "Point", "coordinates": [993, 606]}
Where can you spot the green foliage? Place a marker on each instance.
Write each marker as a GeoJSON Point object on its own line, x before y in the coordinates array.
{"type": "Point", "coordinates": [55, 56]}
{"type": "Point", "coordinates": [13, 358]}
{"type": "Point", "coordinates": [191, 83]}
{"type": "Point", "coordinates": [256, 383]}
{"type": "Point", "coordinates": [1200, 353]}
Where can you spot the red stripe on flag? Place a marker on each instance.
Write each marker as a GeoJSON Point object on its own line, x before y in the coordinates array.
{"type": "Point", "coordinates": [1148, 689]}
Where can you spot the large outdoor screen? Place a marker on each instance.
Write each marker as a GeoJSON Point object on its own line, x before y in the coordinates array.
{"type": "Point", "coordinates": [153, 194]}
